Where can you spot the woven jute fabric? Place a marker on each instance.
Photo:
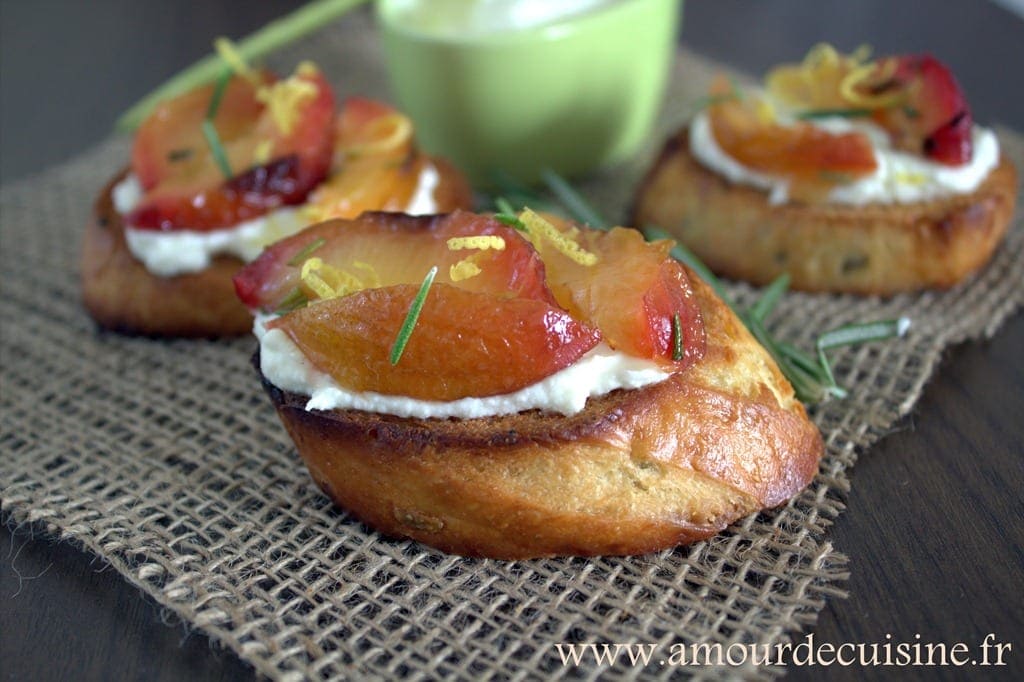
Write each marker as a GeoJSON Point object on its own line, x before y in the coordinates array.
{"type": "Point", "coordinates": [165, 459]}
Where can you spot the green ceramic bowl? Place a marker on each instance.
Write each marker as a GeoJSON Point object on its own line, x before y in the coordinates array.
{"type": "Point", "coordinates": [571, 94]}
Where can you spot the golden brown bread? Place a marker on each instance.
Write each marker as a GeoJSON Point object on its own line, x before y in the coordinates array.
{"type": "Point", "coordinates": [873, 249]}
{"type": "Point", "coordinates": [122, 295]}
{"type": "Point", "coordinates": [634, 472]}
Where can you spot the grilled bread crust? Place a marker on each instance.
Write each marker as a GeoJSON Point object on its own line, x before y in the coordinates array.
{"type": "Point", "coordinates": [122, 295]}
{"type": "Point", "coordinates": [878, 249]}
{"type": "Point", "coordinates": [635, 471]}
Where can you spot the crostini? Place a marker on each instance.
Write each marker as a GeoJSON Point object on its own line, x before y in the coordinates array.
{"type": "Point", "coordinates": [850, 174]}
{"type": "Point", "coordinates": [520, 391]}
{"type": "Point", "coordinates": [223, 170]}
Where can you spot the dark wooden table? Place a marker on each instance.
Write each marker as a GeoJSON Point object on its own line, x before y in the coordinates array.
{"type": "Point", "coordinates": [935, 524]}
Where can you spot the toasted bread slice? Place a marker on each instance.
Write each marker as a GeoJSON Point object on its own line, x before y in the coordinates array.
{"type": "Point", "coordinates": [122, 295]}
{"type": "Point", "coordinates": [635, 471]}
{"type": "Point", "coordinates": [874, 249]}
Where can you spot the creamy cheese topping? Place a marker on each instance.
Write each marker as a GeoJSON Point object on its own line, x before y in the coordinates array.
{"type": "Point", "coordinates": [900, 177]}
{"type": "Point", "coordinates": [422, 201]}
{"type": "Point", "coordinates": [166, 253]}
{"type": "Point", "coordinates": [600, 371]}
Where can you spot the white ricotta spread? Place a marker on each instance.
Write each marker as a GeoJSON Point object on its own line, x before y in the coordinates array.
{"type": "Point", "coordinates": [600, 371]}
{"type": "Point", "coordinates": [422, 201]}
{"type": "Point", "coordinates": [166, 253]}
{"type": "Point", "coordinates": [899, 178]}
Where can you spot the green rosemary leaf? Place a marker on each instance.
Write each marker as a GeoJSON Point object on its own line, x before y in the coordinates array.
{"type": "Point", "coordinates": [511, 220]}
{"type": "Point", "coordinates": [573, 201]}
{"type": "Point", "coordinates": [300, 258]}
{"type": "Point", "coordinates": [677, 338]}
{"type": "Point", "coordinates": [770, 297]}
{"type": "Point", "coordinates": [410, 319]}
{"type": "Point", "coordinates": [827, 113]}
{"type": "Point", "coordinates": [216, 148]}
{"type": "Point", "coordinates": [218, 94]}
{"type": "Point", "coordinates": [293, 301]}
{"type": "Point", "coordinates": [799, 358]}
{"type": "Point", "coordinates": [863, 332]}
{"type": "Point", "coordinates": [503, 206]}
{"type": "Point", "coordinates": [274, 35]}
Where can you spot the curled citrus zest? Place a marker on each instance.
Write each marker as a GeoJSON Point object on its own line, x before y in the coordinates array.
{"type": "Point", "coordinates": [464, 269]}
{"type": "Point", "coordinates": [820, 57]}
{"type": "Point", "coordinates": [307, 69]}
{"type": "Point", "coordinates": [372, 280]}
{"type": "Point", "coordinates": [480, 241]}
{"type": "Point", "coordinates": [284, 99]}
{"type": "Point", "coordinates": [540, 230]}
{"type": "Point", "coordinates": [328, 282]}
{"type": "Point", "coordinates": [765, 111]}
{"type": "Point", "coordinates": [393, 131]}
{"type": "Point", "coordinates": [861, 54]}
{"type": "Point", "coordinates": [848, 86]}
{"type": "Point", "coordinates": [230, 54]}
{"type": "Point", "coordinates": [261, 155]}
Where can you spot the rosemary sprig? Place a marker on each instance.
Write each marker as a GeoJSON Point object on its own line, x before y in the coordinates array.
{"type": "Point", "coordinates": [506, 214]}
{"type": "Point", "coordinates": [677, 338]}
{"type": "Point", "coordinates": [828, 113]}
{"type": "Point", "coordinates": [210, 129]}
{"type": "Point", "coordinates": [579, 207]}
{"type": "Point", "coordinates": [410, 319]}
{"type": "Point", "coordinates": [274, 35]}
{"type": "Point", "coordinates": [295, 299]}
{"type": "Point", "coordinates": [299, 258]}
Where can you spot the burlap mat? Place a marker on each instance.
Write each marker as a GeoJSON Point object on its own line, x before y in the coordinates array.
{"type": "Point", "coordinates": [166, 460]}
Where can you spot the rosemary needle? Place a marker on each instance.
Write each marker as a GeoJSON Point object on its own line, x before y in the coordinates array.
{"type": "Point", "coordinates": [410, 319]}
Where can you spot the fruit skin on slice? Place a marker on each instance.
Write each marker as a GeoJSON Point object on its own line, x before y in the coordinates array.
{"type": "Point", "coordinates": [933, 118]}
{"type": "Point", "coordinates": [384, 249]}
{"type": "Point", "coordinates": [184, 186]}
{"type": "Point", "coordinates": [632, 293]}
{"type": "Point", "coordinates": [464, 344]}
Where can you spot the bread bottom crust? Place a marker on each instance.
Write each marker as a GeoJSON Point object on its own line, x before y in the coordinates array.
{"type": "Point", "coordinates": [123, 296]}
{"type": "Point", "coordinates": [634, 472]}
{"type": "Point", "coordinates": [873, 249]}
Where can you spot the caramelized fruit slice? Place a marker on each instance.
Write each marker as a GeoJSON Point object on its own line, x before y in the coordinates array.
{"type": "Point", "coordinates": [367, 184]}
{"type": "Point", "coordinates": [464, 344]}
{"type": "Point", "coordinates": [915, 98]}
{"type": "Point", "coordinates": [366, 127]}
{"type": "Point", "coordinates": [813, 159]}
{"type": "Point", "coordinates": [375, 167]}
{"type": "Point", "coordinates": [382, 249]}
{"type": "Point", "coordinates": [277, 152]}
{"type": "Point", "coordinates": [632, 294]}
{"type": "Point", "coordinates": [933, 117]}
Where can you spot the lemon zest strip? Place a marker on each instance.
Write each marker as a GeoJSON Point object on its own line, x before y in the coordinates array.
{"type": "Point", "coordinates": [328, 282]}
{"type": "Point", "coordinates": [261, 154]}
{"type": "Point", "coordinates": [464, 269]}
{"type": "Point", "coordinates": [230, 54]}
{"type": "Point", "coordinates": [400, 133]}
{"type": "Point", "coordinates": [483, 242]}
{"type": "Point", "coordinates": [372, 280]}
{"type": "Point", "coordinates": [284, 99]}
{"type": "Point", "coordinates": [540, 230]}
{"type": "Point", "coordinates": [848, 86]}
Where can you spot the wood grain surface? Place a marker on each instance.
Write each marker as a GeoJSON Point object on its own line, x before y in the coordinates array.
{"type": "Point", "coordinates": [935, 522]}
